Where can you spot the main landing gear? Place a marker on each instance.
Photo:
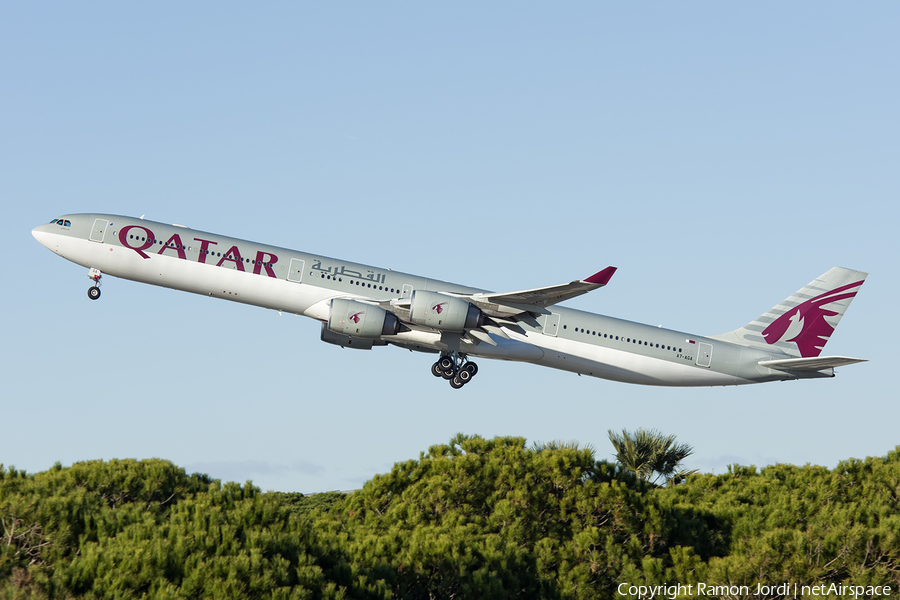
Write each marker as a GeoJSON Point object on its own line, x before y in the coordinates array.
{"type": "Point", "coordinates": [94, 291]}
{"type": "Point", "coordinates": [455, 368]}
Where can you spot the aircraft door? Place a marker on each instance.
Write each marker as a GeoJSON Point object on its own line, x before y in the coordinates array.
{"type": "Point", "coordinates": [99, 230]}
{"type": "Point", "coordinates": [551, 324]}
{"type": "Point", "coordinates": [704, 355]}
{"type": "Point", "coordinates": [407, 291]}
{"type": "Point", "coordinates": [295, 273]}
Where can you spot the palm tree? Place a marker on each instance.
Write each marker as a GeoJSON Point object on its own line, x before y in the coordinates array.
{"type": "Point", "coordinates": [648, 452]}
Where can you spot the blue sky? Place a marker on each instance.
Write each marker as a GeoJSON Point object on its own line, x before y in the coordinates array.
{"type": "Point", "coordinates": [720, 155]}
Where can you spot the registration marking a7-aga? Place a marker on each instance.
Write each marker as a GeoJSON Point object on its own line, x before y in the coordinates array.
{"type": "Point", "coordinates": [361, 306]}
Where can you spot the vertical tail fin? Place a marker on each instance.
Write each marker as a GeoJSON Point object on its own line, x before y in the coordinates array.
{"type": "Point", "coordinates": [801, 324]}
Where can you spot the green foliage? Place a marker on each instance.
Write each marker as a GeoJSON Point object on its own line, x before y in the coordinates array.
{"type": "Point", "coordinates": [805, 524]}
{"type": "Point", "coordinates": [473, 518]}
{"type": "Point", "coordinates": [146, 529]}
{"type": "Point", "coordinates": [301, 504]}
{"type": "Point", "coordinates": [647, 452]}
{"type": "Point", "coordinates": [492, 519]}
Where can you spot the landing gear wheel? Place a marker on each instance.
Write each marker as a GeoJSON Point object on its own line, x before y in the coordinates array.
{"type": "Point", "coordinates": [94, 275]}
{"type": "Point", "coordinates": [455, 368]}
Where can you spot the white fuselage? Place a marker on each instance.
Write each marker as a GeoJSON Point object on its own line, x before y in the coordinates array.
{"type": "Point", "coordinates": [305, 284]}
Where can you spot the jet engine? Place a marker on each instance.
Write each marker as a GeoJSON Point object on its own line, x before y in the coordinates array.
{"type": "Point", "coordinates": [443, 312]}
{"type": "Point", "coordinates": [359, 320]}
{"type": "Point", "coordinates": [346, 341]}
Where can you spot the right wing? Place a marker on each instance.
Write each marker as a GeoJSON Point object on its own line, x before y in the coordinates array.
{"type": "Point", "coordinates": [512, 303]}
{"type": "Point", "coordinates": [503, 310]}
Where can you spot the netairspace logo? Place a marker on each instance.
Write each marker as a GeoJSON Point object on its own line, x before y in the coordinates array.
{"type": "Point", "coordinates": [680, 590]}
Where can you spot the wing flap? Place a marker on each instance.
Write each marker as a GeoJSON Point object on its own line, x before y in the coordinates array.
{"type": "Point", "coordinates": [810, 364]}
{"type": "Point", "coordinates": [482, 336]}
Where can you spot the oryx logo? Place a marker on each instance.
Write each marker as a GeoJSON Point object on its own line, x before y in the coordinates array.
{"type": "Point", "coordinates": [355, 316]}
{"type": "Point", "coordinates": [439, 308]}
{"type": "Point", "coordinates": [806, 323]}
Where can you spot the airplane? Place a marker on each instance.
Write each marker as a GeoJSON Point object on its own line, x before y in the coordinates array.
{"type": "Point", "coordinates": [361, 307]}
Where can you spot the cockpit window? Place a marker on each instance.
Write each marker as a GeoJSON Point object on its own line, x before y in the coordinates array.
{"type": "Point", "coordinates": [64, 223]}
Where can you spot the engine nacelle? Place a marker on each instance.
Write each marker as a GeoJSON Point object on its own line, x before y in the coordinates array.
{"type": "Point", "coordinates": [346, 341]}
{"type": "Point", "coordinates": [443, 312]}
{"type": "Point", "coordinates": [355, 319]}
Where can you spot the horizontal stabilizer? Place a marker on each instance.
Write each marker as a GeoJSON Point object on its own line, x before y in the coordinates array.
{"type": "Point", "coordinates": [810, 364]}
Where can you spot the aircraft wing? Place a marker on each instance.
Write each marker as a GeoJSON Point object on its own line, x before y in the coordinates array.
{"type": "Point", "coordinates": [810, 364]}
{"type": "Point", "coordinates": [505, 310]}
{"type": "Point", "coordinates": [510, 303]}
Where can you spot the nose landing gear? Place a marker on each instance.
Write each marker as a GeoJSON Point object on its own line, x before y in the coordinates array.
{"type": "Point", "coordinates": [94, 291]}
{"type": "Point", "coordinates": [456, 368]}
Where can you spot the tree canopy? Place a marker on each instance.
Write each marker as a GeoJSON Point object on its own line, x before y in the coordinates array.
{"type": "Point", "coordinates": [472, 518]}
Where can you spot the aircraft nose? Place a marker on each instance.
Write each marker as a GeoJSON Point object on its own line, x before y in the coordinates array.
{"type": "Point", "coordinates": [42, 234]}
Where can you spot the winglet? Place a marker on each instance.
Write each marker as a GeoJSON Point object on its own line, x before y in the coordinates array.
{"type": "Point", "coordinates": [602, 277]}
